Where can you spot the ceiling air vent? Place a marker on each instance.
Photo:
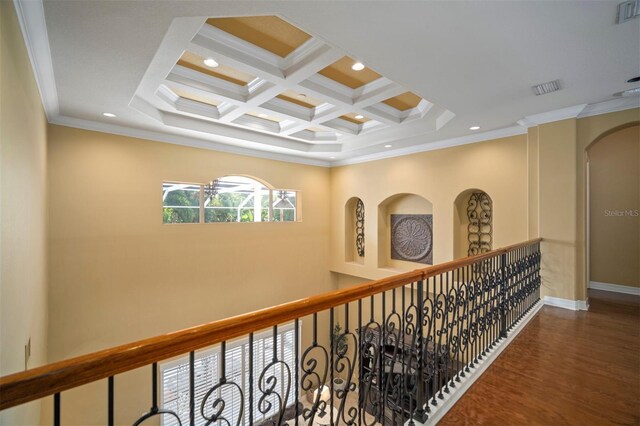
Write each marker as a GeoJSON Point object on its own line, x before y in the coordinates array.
{"type": "Point", "coordinates": [628, 10]}
{"type": "Point", "coordinates": [548, 87]}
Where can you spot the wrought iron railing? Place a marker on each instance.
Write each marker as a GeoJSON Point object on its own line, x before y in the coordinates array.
{"type": "Point", "coordinates": [402, 344]}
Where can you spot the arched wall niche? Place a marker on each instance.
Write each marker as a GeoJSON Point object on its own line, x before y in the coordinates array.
{"type": "Point", "coordinates": [472, 223]}
{"type": "Point", "coordinates": [403, 203]}
{"type": "Point", "coordinates": [354, 230]}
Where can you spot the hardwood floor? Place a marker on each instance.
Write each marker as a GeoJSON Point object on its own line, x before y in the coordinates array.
{"type": "Point", "coordinates": [565, 368]}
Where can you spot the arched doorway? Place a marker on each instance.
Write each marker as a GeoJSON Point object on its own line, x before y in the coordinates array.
{"type": "Point", "coordinates": [613, 210]}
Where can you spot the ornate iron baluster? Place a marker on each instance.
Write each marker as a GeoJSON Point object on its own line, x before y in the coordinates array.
{"type": "Point", "coordinates": [314, 373]}
{"type": "Point", "coordinates": [370, 349]}
{"type": "Point", "coordinates": [56, 409]}
{"type": "Point", "coordinates": [344, 364]}
{"type": "Point", "coordinates": [155, 411]}
{"type": "Point", "coordinates": [268, 382]}
{"type": "Point", "coordinates": [192, 388]}
{"type": "Point", "coordinates": [218, 405]}
{"type": "Point", "coordinates": [296, 369]}
{"type": "Point", "coordinates": [110, 401]}
{"type": "Point", "coordinates": [392, 339]}
{"type": "Point", "coordinates": [426, 346]}
{"type": "Point", "coordinates": [251, 366]}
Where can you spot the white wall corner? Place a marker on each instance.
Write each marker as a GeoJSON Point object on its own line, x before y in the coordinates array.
{"type": "Point", "coordinates": [574, 305]}
{"type": "Point", "coordinates": [616, 288]}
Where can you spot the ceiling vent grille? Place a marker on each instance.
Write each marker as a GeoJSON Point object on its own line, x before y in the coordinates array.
{"type": "Point", "coordinates": [628, 10]}
{"type": "Point", "coordinates": [548, 87]}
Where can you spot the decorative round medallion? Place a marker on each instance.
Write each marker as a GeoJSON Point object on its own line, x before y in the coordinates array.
{"type": "Point", "coordinates": [411, 237]}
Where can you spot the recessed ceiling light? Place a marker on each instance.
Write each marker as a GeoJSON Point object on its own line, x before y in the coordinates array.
{"type": "Point", "coordinates": [474, 128]}
{"type": "Point", "coordinates": [302, 95]}
{"type": "Point", "coordinates": [387, 146]}
{"type": "Point", "coordinates": [359, 117]}
{"type": "Point", "coordinates": [108, 114]}
{"type": "Point", "coordinates": [210, 62]}
{"type": "Point", "coordinates": [358, 66]}
{"type": "Point", "coordinates": [262, 115]}
{"type": "Point", "coordinates": [332, 158]}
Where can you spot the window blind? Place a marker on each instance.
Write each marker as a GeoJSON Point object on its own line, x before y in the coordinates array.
{"type": "Point", "coordinates": [207, 367]}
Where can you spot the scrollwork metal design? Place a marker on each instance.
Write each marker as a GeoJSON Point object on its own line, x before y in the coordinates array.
{"type": "Point", "coordinates": [267, 384]}
{"type": "Point", "coordinates": [360, 227]}
{"type": "Point", "coordinates": [346, 356]}
{"type": "Point", "coordinates": [218, 405]}
{"type": "Point", "coordinates": [370, 398]}
{"type": "Point", "coordinates": [157, 412]}
{"type": "Point", "coordinates": [480, 215]}
{"type": "Point", "coordinates": [314, 366]}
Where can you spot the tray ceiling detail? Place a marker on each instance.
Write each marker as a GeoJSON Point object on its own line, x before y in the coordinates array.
{"type": "Point", "coordinates": [264, 80]}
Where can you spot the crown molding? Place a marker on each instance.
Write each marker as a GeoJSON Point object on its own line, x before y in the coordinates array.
{"type": "Point", "coordinates": [34, 31]}
{"type": "Point", "coordinates": [613, 105]}
{"type": "Point", "coordinates": [551, 116]}
{"type": "Point", "coordinates": [151, 135]}
{"type": "Point", "coordinates": [431, 146]}
{"type": "Point", "coordinates": [31, 18]}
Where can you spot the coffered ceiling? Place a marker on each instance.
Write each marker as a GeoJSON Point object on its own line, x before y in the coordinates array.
{"type": "Point", "coordinates": [282, 85]}
{"type": "Point", "coordinates": [264, 74]}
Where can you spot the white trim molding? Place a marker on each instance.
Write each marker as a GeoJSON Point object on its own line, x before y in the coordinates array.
{"type": "Point", "coordinates": [34, 31]}
{"type": "Point", "coordinates": [430, 146]}
{"type": "Point", "coordinates": [574, 305]}
{"type": "Point", "coordinates": [616, 288]}
{"type": "Point", "coordinates": [300, 68]}
{"type": "Point", "coordinates": [613, 105]}
{"type": "Point", "coordinates": [438, 412]}
{"type": "Point", "coordinates": [551, 116]}
{"type": "Point", "coordinates": [182, 140]}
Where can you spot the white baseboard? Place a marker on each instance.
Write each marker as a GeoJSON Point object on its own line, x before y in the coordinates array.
{"type": "Point", "coordinates": [444, 405]}
{"type": "Point", "coordinates": [574, 305]}
{"type": "Point", "coordinates": [616, 288]}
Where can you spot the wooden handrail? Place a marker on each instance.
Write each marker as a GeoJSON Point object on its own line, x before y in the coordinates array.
{"type": "Point", "coordinates": [39, 382]}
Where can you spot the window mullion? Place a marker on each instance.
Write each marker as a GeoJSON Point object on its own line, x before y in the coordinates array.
{"type": "Point", "coordinates": [201, 203]}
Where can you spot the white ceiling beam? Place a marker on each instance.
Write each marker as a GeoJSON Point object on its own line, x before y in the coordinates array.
{"type": "Point", "coordinates": [320, 58]}
{"type": "Point", "coordinates": [205, 47]}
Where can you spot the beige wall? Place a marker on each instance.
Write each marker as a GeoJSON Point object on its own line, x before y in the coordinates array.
{"type": "Point", "coordinates": [614, 195]}
{"type": "Point", "coordinates": [118, 274]}
{"type": "Point", "coordinates": [23, 306]}
{"type": "Point", "coordinates": [534, 183]}
{"type": "Point", "coordinates": [498, 167]}
{"type": "Point", "coordinates": [557, 207]}
{"type": "Point", "coordinates": [557, 196]}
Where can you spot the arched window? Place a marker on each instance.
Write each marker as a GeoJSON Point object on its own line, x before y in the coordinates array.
{"type": "Point", "coordinates": [236, 199]}
{"type": "Point", "coordinates": [228, 199]}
